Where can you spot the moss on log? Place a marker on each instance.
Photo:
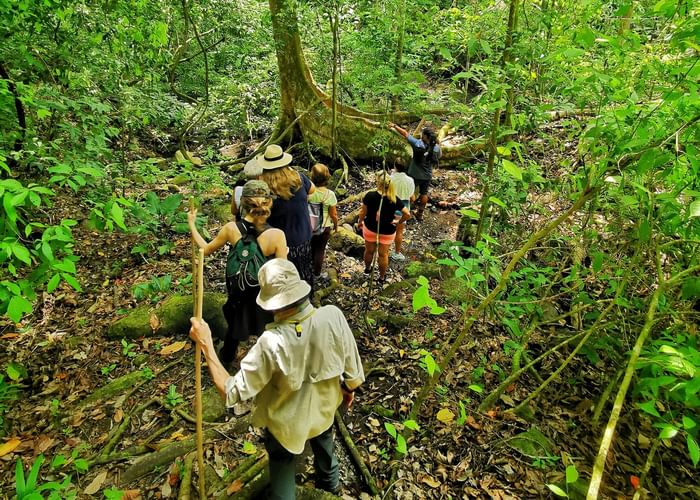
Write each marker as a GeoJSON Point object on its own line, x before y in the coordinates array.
{"type": "Point", "coordinates": [347, 242]}
{"type": "Point", "coordinates": [427, 269]}
{"type": "Point", "coordinates": [213, 407]}
{"type": "Point", "coordinates": [170, 318]}
{"type": "Point", "coordinates": [113, 389]}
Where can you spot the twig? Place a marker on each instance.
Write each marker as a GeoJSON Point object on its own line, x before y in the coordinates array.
{"type": "Point", "coordinates": [355, 454]}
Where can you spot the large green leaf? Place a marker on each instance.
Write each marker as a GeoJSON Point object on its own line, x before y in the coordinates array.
{"type": "Point", "coordinates": [18, 307]}
{"type": "Point", "coordinates": [512, 169]}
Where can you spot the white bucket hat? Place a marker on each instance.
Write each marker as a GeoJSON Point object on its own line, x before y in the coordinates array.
{"type": "Point", "coordinates": [274, 157]}
{"type": "Point", "coordinates": [280, 285]}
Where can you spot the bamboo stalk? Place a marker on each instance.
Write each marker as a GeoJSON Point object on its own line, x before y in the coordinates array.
{"type": "Point", "coordinates": [198, 302]}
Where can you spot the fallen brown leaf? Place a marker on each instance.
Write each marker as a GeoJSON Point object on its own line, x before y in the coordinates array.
{"type": "Point", "coordinates": [234, 487]}
{"type": "Point", "coordinates": [173, 348]}
{"type": "Point", "coordinates": [96, 484]}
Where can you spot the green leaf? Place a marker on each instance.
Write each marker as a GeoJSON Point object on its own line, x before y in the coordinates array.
{"type": "Point", "coordinates": [693, 450]}
{"type": "Point", "coordinates": [249, 448]}
{"type": "Point", "coordinates": [573, 53]}
{"type": "Point", "coordinates": [20, 485]}
{"type": "Point", "coordinates": [81, 465]}
{"type": "Point", "coordinates": [694, 210]}
{"type": "Point", "coordinates": [390, 428]}
{"type": "Point", "coordinates": [497, 201]}
{"type": "Point", "coordinates": [557, 490]}
{"type": "Point", "coordinates": [21, 253]}
{"type": "Point", "coordinates": [401, 444]}
{"type": "Point", "coordinates": [468, 212]}
{"type": "Point", "coordinates": [58, 461]}
{"type": "Point", "coordinates": [649, 407]}
{"type": "Point", "coordinates": [411, 424]}
{"type": "Point", "coordinates": [571, 474]}
{"type": "Point", "coordinates": [512, 169]}
{"type": "Point", "coordinates": [34, 473]}
{"type": "Point", "coordinates": [18, 307]}
{"type": "Point", "coordinates": [16, 371]}
{"type": "Point", "coordinates": [53, 283]}
{"type": "Point", "coordinates": [688, 423]}
{"type": "Point", "coordinates": [476, 388]}
{"type": "Point", "coordinates": [72, 281]}
{"type": "Point", "coordinates": [668, 432]}
{"type": "Point", "coordinates": [644, 231]}
{"type": "Point", "coordinates": [118, 215]}
{"type": "Point", "coordinates": [42, 113]}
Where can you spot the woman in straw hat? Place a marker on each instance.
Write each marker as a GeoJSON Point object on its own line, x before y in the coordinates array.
{"type": "Point", "coordinates": [378, 220]}
{"type": "Point", "coordinates": [243, 315]}
{"type": "Point", "coordinates": [290, 210]}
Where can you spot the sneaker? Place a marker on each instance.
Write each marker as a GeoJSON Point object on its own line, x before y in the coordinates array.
{"type": "Point", "coordinates": [398, 256]}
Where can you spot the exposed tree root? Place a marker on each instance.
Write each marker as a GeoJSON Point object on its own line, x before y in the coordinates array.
{"type": "Point", "coordinates": [118, 431]}
{"type": "Point", "coordinates": [355, 454]}
{"type": "Point", "coordinates": [186, 482]}
{"type": "Point", "coordinates": [168, 453]}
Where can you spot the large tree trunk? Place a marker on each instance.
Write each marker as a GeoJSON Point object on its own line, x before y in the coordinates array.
{"type": "Point", "coordinates": [299, 93]}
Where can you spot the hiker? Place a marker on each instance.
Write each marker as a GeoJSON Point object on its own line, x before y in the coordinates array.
{"type": "Point", "coordinates": [426, 153]}
{"type": "Point", "coordinates": [379, 225]}
{"type": "Point", "coordinates": [299, 371]}
{"type": "Point", "coordinates": [405, 188]}
{"type": "Point", "coordinates": [243, 316]}
{"type": "Point", "coordinates": [290, 209]}
{"type": "Point", "coordinates": [251, 171]}
{"type": "Point", "coordinates": [326, 200]}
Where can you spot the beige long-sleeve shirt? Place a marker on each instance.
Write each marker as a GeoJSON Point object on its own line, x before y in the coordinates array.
{"type": "Point", "coordinates": [295, 377]}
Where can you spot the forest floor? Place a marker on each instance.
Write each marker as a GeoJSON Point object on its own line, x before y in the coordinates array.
{"type": "Point", "coordinates": [456, 453]}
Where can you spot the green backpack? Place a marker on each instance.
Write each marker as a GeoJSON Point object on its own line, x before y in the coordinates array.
{"type": "Point", "coordinates": [244, 261]}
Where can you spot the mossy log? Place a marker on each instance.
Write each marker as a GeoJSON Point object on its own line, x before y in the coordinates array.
{"type": "Point", "coordinates": [113, 389]}
{"type": "Point", "coordinates": [347, 242]}
{"type": "Point", "coordinates": [386, 318]}
{"type": "Point", "coordinates": [171, 451]}
{"type": "Point", "coordinates": [427, 269]}
{"type": "Point", "coordinates": [170, 318]}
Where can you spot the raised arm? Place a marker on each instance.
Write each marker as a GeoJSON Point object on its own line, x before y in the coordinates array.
{"type": "Point", "coordinates": [219, 241]}
{"type": "Point", "coordinates": [402, 132]}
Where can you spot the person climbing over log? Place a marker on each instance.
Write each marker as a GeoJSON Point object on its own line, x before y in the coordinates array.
{"type": "Point", "coordinates": [251, 171]}
{"type": "Point", "coordinates": [243, 316]}
{"type": "Point", "coordinates": [290, 209]}
{"type": "Point", "coordinates": [378, 221]}
{"type": "Point", "coordinates": [300, 370]}
{"type": "Point", "coordinates": [320, 175]}
{"type": "Point", "coordinates": [426, 153]}
{"type": "Point", "coordinates": [405, 189]}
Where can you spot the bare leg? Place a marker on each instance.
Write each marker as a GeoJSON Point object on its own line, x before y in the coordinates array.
{"type": "Point", "coordinates": [370, 247]}
{"type": "Point", "coordinates": [383, 260]}
{"type": "Point", "coordinates": [399, 237]}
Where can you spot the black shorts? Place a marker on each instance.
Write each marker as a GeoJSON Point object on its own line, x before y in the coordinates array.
{"type": "Point", "coordinates": [422, 185]}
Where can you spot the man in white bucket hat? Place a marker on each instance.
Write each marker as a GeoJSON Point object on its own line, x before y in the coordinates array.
{"type": "Point", "coordinates": [303, 366]}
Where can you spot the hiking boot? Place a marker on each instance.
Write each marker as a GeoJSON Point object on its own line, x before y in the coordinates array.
{"type": "Point", "coordinates": [397, 256]}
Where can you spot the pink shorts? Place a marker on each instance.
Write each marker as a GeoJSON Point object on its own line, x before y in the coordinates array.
{"type": "Point", "coordinates": [371, 236]}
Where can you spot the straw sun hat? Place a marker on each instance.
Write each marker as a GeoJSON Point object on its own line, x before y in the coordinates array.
{"type": "Point", "coordinates": [280, 285]}
{"type": "Point", "coordinates": [273, 157]}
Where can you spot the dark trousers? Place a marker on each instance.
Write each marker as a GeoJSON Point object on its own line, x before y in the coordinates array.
{"type": "Point", "coordinates": [282, 466]}
{"type": "Point", "coordinates": [318, 248]}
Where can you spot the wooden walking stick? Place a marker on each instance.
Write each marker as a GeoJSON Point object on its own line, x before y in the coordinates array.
{"type": "Point", "coordinates": [198, 298]}
{"type": "Point", "coordinates": [198, 378]}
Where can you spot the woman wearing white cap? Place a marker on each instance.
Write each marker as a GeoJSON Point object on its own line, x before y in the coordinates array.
{"type": "Point", "coordinates": [290, 210]}
{"type": "Point", "coordinates": [251, 171]}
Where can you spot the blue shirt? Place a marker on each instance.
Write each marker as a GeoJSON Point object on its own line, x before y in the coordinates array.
{"type": "Point", "coordinates": [421, 167]}
{"type": "Point", "coordinates": [292, 215]}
